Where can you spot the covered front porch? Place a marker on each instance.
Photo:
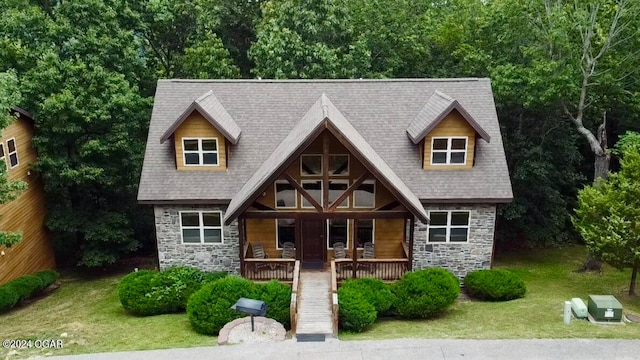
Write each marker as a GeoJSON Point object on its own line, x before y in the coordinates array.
{"type": "Point", "coordinates": [320, 239]}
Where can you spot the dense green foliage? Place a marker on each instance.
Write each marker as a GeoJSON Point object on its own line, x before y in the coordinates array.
{"type": "Point", "coordinates": [494, 285]}
{"type": "Point", "coordinates": [47, 277]}
{"type": "Point", "coordinates": [149, 292]}
{"type": "Point", "coordinates": [209, 309]}
{"type": "Point", "coordinates": [356, 312]}
{"type": "Point", "coordinates": [277, 296]}
{"type": "Point", "coordinates": [375, 291]}
{"type": "Point", "coordinates": [25, 287]}
{"type": "Point", "coordinates": [425, 293]}
{"type": "Point", "coordinates": [87, 71]}
{"type": "Point", "coordinates": [608, 215]}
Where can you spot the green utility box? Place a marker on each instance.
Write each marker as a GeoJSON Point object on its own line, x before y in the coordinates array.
{"type": "Point", "coordinates": [605, 308]}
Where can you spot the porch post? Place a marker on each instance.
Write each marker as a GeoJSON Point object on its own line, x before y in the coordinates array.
{"type": "Point", "coordinates": [241, 240]}
{"type": "Point", "coordinates": [298, 232]}
{"type": "Point", "coordinates": [354, 249]}
{"type": "Point", "coordinates": [412, 222]}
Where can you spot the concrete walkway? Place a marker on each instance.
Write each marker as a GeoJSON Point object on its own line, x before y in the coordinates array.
{"type": "Point", "coordinates": [405, 349]}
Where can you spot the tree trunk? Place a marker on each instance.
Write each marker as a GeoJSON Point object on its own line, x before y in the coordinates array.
{"type": "Point", "coordinates": [600, 171]}
{"type": "Point", "coordinates": [634, 275]}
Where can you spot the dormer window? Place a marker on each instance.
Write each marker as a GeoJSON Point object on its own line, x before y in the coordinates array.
{"type": "Point", "coordinates": [449, 151]}
{"type": "Point", "coordinates": [200, 151]}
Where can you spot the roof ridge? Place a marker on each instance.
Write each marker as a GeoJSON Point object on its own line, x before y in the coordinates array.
{"type": "Point", "coordinates": [369, 80]}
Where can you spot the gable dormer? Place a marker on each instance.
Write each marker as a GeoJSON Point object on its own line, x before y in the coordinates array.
{"type": "Point", "coordinates": [202, 135]}
{"type": "Point", "coordinates": [446, 133]}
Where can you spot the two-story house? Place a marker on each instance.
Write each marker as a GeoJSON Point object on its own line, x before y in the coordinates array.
{"type": "Point", "coordinates": [414, 168]}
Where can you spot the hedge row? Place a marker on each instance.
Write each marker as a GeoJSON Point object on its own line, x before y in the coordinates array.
{"type": "Point", "coordinates": [209, 309]}
{"type": "Point", "coordinates": [148, 292]}
{"type": "Point", "coordinates": [494, 285]}
{"type": "Point", "coordinates": [419, 294]}
{"type": "Point", "coordinates": [25, 287]}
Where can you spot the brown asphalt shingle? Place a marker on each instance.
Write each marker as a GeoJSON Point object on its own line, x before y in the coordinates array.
{"type": "Point", "coordinates": [379, 110]}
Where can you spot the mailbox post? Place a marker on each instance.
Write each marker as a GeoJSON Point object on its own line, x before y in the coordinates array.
{"type": "Point", "coordinates": [250, 306]}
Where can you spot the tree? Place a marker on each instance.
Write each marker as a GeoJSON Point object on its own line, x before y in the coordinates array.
{"type": "Point", "coordinates": [304, 39]}
{"type": "Point", "coordinates": [608, 214]}
{"type": "Point", "coordinates": [9, 190]}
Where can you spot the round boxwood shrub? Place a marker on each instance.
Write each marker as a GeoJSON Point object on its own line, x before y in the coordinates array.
{"type": "Point", "coordinates": [47, 277]}
{"type": "Point", "coordinates": [173, 287]}
{"type": "Point", "coordinates": [425, 293]}
{"type": "Point", "coordinates": [494, 285]}
{"type": "Point", "coordinates": [356, 313]}
{"type": "Point", "coordinates": [8, 298]}
{"type": "Point", "coordinates": [133, 290]}
{"type": "Point", "coordinates": [213, 276]}
{"type": "Point", "coordinates": [209, 309]}
{"type": "Point", "coordinates": [25, 286]}
{"type": "Point", "coordinates": [375, 291]}
{"type": "Point", "coordinates": [277, 296]}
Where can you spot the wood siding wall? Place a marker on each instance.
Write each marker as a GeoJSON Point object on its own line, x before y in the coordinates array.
{"type": "Point", "coordinates": [26, 213]}
{"type": "Point", "coordinates": [196, 126]}
{"type": "Point", "coordinates": [388, 233]}
{"type": "Point", "coordinates": [453, 125]}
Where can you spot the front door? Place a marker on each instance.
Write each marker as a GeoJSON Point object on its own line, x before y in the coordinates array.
{"type": "Point", "coordinates": [313, 248]}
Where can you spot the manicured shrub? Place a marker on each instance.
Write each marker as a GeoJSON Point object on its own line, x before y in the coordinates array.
{"type": "Point", "coordinates": [133, 290]}
{"type": "Point", "coordinates": [375, 291]}
{"type": "Point", "coordinates": [494, 285]}
{"type": "Point", "coordinates": [25, 286]}
{"type": "Point", "coordinates": [47, 277]}
{"type": "Point", "coordinates": [356, 312]}
{"type": "Point", "coordinates": [213, 276]}
{"type": "Point", "coordinates": [173, 287]}
{"type": "Point", "coordinates": [209, 309]}
{"type": "Point", "coordinates": [425, 293]}
{"type": "Point", "coordinates": [8, 298]}
{"type": "Point", "coordinates": [277, 296]}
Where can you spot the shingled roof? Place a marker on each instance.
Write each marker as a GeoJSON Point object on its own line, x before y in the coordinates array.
{"type": "Point", "coordinates": [379, 110]}
{"type": "Point", "coordinates": [212, 110]}
{"type": "Point", "coordinates": [434, 111]}
{"type": "Point", "coordinates": [322, 114]}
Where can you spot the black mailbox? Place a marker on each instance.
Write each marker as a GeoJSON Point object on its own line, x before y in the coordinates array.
{"type": "Point", "coordinates": [250, 306]}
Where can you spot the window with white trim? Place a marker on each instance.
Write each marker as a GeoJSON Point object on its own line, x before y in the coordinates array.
{"type": "Point", "coordinates": [449, 151]}
{"type": "Point", "coordinates": [364, 230]}
{"type": "Point", "coordinates": [338, 231]}
{"type": "Point", "coordinates": [365, 195]}
{"type": "Point", "coordinates": [339, 165]}
{"type": "Point", "coordinates": [449, 226]}
{"type": "Point", "coordinates": [286, 195]}
{"type": "Point", "coordinates": [12, 151]}
{"type": "Point", "coordinates": [310, 165]}
{"type": "Point", "coordinates": [314, 188]}
{"type": "Point", "coordinates": [201, 227]}
{"type": "Point", "coordinates": [200, 151]}
{"type": "Point", "coordinates": [2, 156]}
{"type": "Point", "coordinates": [337, 188]}
{"type": "Point", "coordinates": [285, 232]}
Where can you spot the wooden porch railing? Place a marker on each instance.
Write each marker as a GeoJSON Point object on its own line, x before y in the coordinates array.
{"type": "Point", "coordinates": [269, 269]}
{"type": "Point", "coordinates": [384, 269]}
{"type": "Point", "coordinates": [335, 308]}
{"type": "Point", "coordinates": [293, 306]}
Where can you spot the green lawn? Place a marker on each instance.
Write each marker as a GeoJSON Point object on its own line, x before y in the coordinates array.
{"type": "Point", "coordinates": [89, 312]}
{"type": "Point", "coordinates": [550, 281]}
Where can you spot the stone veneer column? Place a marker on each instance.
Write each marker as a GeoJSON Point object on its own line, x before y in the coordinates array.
{"type": "Point", "coordinates": [207, 257]}
{"type": "Point", "coordinates": [459, 258]}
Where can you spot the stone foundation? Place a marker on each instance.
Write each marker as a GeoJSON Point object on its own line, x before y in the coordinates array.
{"type": "Point", "coordinates": [459, 258]}
{"type": "Point", "coordinates": [207, 257]}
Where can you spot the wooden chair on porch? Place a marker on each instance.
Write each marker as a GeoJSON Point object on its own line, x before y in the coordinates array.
{"type": "Point", "coordinates": [369, 252]}
{"type": "Point", "coordinates": [288, 250]}
{"type": "Point", "coordinates": [339, 252]}
{"type": "Point", "coordinates": [258, 253]}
